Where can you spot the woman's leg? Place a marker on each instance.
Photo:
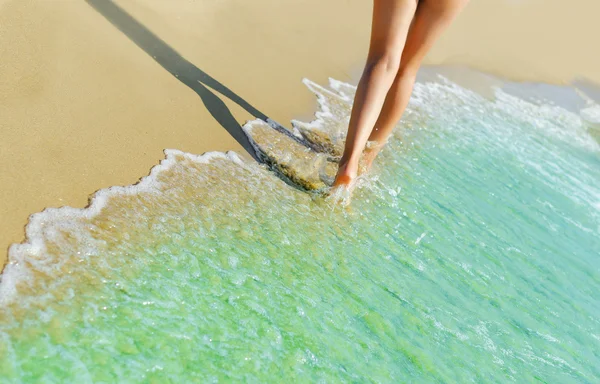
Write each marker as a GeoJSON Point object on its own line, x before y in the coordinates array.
{"type": "Point", "coordinates": [431, 19]}
{"type": "Point", "coordinates": [391, 21]}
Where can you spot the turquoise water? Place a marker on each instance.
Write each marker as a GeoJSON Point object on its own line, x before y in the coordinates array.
{"type": "Point", "coordinates": [470, 255]}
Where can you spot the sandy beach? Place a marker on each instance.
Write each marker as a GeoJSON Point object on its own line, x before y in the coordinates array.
{"type": "Point", "coordinates": [92, 92]}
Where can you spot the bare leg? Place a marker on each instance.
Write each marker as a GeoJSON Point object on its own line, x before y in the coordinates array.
{"type": "Point", "coordinates": [431, 19]}
{"type": "Point", "coordinates": [391, 21]}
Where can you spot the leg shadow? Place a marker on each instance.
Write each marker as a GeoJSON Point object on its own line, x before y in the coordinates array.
{"type": "Point", "coordinates": [186, 72]}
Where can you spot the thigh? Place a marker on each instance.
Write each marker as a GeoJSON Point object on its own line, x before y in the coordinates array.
{"type": "Point", "coordinates": [431, 19]}
{"type": "Point", "coordinates": [389, 28]}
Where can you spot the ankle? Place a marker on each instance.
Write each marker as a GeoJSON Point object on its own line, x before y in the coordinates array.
{"type": "Point", "coordinates": [375, 144]}
{"type": "Point", "coordinates": [350, 160]}
{"type": "Point", "coordinates": [348, 167]}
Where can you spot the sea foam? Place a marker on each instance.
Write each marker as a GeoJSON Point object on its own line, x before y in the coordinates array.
{"type": "Point", "coordinates": [474, 237]}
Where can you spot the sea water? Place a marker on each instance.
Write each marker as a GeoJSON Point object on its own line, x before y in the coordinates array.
{"type": "Point", "coordinates": [471, 254]}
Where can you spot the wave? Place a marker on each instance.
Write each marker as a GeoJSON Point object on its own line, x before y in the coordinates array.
{"type": "Point", "coordinates": [440, 103]}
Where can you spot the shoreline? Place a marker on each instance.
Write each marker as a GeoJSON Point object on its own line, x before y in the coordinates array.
{"type": "Point", "coordinates": [84, 108]}
{"type": "Point", "coordinates": [480, 82]}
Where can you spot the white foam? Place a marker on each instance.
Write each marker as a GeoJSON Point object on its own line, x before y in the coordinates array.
{"type": "Point", "coordinates": [325, 116]}
{"type": "Point", "coordinates": [420, 238]}
{"type": "Point", "coordinates": [45, 224]}
{"type": "Point", "coordinates": [591, 114]}
{"type": "Point", "coordinates": [343, 89]}
{"type": "Point", "coordinates": [442, 99]}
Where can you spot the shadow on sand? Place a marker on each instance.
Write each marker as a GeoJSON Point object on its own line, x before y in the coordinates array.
{"type": "Point", "coordinates": [186, 72]}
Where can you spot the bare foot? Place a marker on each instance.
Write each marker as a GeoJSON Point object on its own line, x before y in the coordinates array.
{"type": "Point", "coordinates": [341, 190]}
{"type": "Point", "coordinates": [346, 174]}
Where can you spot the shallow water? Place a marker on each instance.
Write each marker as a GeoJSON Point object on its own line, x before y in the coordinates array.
{"type": "Point", "coordinates": [471, 254]}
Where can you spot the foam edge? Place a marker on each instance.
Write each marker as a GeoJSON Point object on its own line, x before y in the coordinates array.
{"type": "Point", "coordinates": [15, 269]}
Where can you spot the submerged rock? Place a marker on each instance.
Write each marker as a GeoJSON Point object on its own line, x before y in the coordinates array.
{"type": "Point", "coordinates": [308, 157]}
{"type": "Point", "coordinates": [319, 140]}
{"type": "Point", "coordinates": [290, 157]}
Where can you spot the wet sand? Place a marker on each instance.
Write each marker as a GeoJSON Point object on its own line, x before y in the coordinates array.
{"type": "Point", "coordinates": [91, 94]}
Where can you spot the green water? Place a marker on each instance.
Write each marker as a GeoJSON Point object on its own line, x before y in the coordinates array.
{"type": "Point", "coordinates": [470, 255]}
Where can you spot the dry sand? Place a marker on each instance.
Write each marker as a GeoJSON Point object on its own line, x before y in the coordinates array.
{"type": "Point", "coordinates": [82, 107]}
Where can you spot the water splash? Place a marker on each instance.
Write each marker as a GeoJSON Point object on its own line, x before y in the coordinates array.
{"type": "Point", "coordinates": [213, 269]}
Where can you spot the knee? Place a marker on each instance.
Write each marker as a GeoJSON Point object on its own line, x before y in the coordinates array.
{"type": "Point", "coordinates": [408, 72]}
{"type": "Point", "coordinates": [387, 63]}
